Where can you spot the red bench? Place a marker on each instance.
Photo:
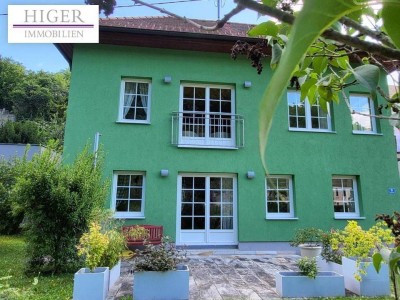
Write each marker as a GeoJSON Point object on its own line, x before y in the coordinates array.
{"type": "Point", "coordinates": [155, 235]}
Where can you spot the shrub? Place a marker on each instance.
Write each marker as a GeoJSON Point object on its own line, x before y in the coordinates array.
{"type": "Point", "coordinates": [309, 236]}
{"type": "Point", "coordinates": [10, 222]}
{"type": "Point", "coordinates": [103, 244]}
{"type": "Point", "coordinates": [59, 202]}
{"type": "Point", "coordinates": [353, 241]}
{"type": "Point", "coordinates": [163, 257]}
{"type": "Point", "coordinates": [328, 253]}
{"type": "Point", "coordinates": [308, 266]}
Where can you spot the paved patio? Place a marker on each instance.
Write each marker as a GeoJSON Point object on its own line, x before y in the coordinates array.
{"type": "Point", "coordinates": [223, 275]}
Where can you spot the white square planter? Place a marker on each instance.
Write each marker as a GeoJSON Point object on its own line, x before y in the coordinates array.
{"type": "Point", "coordinates": [294, 284]}
{"type": "Point", "coordinates": [115, 273]}
{"type": "Point", "coordinates": [372, 283]}
{"type": "Point", "coordinates": [161, 285]}
{"type": "Point", "coordinates": [328, 266]}
{"type": "Point", "coordinates": [91, 285]}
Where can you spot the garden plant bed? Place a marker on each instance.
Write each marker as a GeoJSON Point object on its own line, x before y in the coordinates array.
{"type": "Point", "coordinates": [294, 284]}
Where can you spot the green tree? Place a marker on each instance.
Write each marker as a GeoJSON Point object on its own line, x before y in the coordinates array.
{"type": "Point", "coordinates": [23, 132]}
{"type": "Point", "coordinates": [10, 222]}
{"type": "Point", "coordinates": [12, 74]}
{"type": "Point", "coordinates": [39, 97]}
{"type": "Point", "coordinates": [58, 201]}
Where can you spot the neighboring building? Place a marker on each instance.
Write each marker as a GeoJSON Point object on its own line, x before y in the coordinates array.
{"type": "Point", "coordinates": [11, 151]}
{"type": "Point", "coordinates": [180, 132]}
{"type": "Point", "coordinates": [5, 116]}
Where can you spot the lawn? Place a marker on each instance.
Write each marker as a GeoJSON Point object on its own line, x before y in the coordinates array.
{"type": "Point", "coordinates": [12, 260]}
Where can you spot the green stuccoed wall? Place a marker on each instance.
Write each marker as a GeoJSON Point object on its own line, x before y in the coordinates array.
{"type": "Point", "coordinates": [312, 158]}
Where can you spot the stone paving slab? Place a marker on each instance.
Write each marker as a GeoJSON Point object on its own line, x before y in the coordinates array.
{"type": "Point", "coordinates": [222, 276]}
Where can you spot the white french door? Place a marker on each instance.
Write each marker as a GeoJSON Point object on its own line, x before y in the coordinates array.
{"type": "Point", "coordinates": [207, 209]}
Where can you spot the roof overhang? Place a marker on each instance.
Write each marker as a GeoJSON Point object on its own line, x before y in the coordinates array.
{"type": "Point", "coordinates": [123, 36]}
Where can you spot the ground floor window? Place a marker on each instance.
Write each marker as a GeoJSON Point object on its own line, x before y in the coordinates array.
{"type": "Point", "coordinates": [345, 196]}
{"type": "Point", "coordinates": [128, 194]}
{"type": "Point", "coordinates": [279, 197]}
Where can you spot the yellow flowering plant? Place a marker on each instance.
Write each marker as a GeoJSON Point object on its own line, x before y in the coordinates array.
{"type": "Point", "coordinates": [103, 244]}
{"type": "Point", "coordinates": [353, 241]}
{"type": "Point", "coordinates": [92, 246]}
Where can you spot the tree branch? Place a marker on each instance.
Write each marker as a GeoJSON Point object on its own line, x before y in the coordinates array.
{"type": "Point", "coordinates": [329, 33]}
{"type": "Point", "coordinates": [285, 17]}
{"type": "Point", "coordinates": [379, 36]}
{"type": "Point", "coordinates": [219, 24]}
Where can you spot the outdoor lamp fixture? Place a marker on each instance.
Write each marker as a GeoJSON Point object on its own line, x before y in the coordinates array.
{"type": "Point", "coordinates": [164, 173]}
{"type": "Point", "coordinates": [167, 79]}
{"type": "Point", "coordinates": [247, 84]}
{"type": "Point", "coordinates": [250, 174]}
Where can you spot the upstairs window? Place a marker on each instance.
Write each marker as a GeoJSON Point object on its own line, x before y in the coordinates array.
{"type": "Point", "coordinates": [206, 117]}
{"type": "Point", "coordinates": [362, 123]}
{"type": "Point", "coordinates": [135, 101]}
{"type": "Point", "coordinates": [306, 117]}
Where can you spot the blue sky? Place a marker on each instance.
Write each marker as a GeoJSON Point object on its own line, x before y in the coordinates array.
{"type": "Point", "coordinates": [46, 56]}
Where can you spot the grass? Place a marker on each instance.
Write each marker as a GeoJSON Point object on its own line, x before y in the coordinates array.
{"type": "Point", "coordinates": [12, 263]}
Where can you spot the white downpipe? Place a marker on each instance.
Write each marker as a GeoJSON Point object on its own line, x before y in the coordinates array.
{"type": "Point", "coordinates": [96, 146]}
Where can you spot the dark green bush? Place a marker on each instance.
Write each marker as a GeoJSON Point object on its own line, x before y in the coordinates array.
{"type": "Point", "coordinates": [10, 222]}
{"type": "Point", "coordinates": [59, 202]}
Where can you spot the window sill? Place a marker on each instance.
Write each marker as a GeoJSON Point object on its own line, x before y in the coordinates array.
{"type": "Point", "coordinates": [133, 122]}
{"type": "Point", "coordinates": [117, 216]}
{"type": "Point", "coordinates": [310, 130]}
{"type": "Point", "coordinates": [366, 133]}
{"type": "Point", "coordinates": [349, 218]}
{"type": "Point", "coordinates": [281, 219]}
{"type": "Point", "coordinates": [208, 147]}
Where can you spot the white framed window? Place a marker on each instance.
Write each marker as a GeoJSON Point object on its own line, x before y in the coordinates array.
{"type": "Point", "coordinates": [345, 197]}
{"type": "Point", "coordinates": [279, 197]}
{"type": "Point", "coordinates": [362, 123]}
{"type": "Point", "coordinates": [206, 116]}
{"type": "Point", "coordinates": [128, 194]}
{"type": "Point", "coordinates": [134, 105]}
{"type": "Point", "coordinates": [306, 117]}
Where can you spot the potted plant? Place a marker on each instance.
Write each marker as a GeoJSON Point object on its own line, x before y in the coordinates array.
{"type": "Point", "coordinates": [92, 282]}
{"type": "Point", "coordinates": [309, 241]}
{"type": "Point", "coordinates": [309, 282]}
{"type": "Point", "coordinates": [357, 247]}
{"type": "Point", "coordinates": [134, 235]}
{"type": "Point", "coordinates": [330, 260]}
{"type": "Point", "coordinates": [160, 266]}
{"type": "Point", "coordinates": [101, 247]}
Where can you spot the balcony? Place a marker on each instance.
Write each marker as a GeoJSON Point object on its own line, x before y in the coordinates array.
{"type": "Point", "coordinates": [207, 130]}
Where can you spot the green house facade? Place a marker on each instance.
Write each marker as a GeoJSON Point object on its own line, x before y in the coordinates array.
{"type": "Point", "coordinates": [178, 121]}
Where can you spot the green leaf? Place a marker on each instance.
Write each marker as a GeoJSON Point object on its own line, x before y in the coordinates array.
{"type": "Point", "coordinates": [337, 26]}
{"type": "Point", "coordinates": [306, 63]}
{"type": "Point", "coordinates": [376, 260]}
{"type": "Point", "coordinates": [312, 20]}
{"type": "Point", "coordinates": [271, 3]}
{"type": "Point", "coordinates": [343, 61]}
{"type": "Point", "coordinates": [276, 55]}
{"type": "Point", "coordinates": [320, 63]}
{"type": "Point", "coordinates": [305, 87]}
{"type": "Point", "coordinates": [390, 16]}
{"type": "Point", "coordinates": [367, 76]}
{"type": "Point", "coordinates": [312, 94]}
{"type": "Point", "coordinates": [266, 28]}
{"type": "Point", "coordinates": [335, 97]}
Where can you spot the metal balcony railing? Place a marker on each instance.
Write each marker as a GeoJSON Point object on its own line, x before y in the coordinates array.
{"type": "Point", "coordinates": [212, 130]}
